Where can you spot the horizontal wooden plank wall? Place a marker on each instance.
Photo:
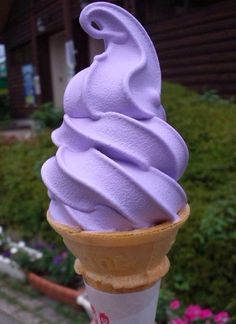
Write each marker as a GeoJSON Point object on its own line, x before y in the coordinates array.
{"type": "Point", "coordinates": [199, 49]}
{"type": "Point", "coordinates": [196, 49]}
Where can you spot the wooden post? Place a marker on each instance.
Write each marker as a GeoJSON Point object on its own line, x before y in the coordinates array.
{"type": "Point", "coordinates": [69, 42]}
{"type": "Point", "coordinates": [66, 5]}
{"type": "Point", "coordinates": [34, 45]}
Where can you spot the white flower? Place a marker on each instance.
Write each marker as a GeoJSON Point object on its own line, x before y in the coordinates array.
{"type": "Point", "coordinates": [6, 260]}
{"type": "Point", "coordinates": [21, 244]}
{"type": "Point", "coordinates": [13, 250]}
{"type": "Point", "coordinates": [1, 230]}
{"type": "Point", "coordinates": [1, 257]}
{"type": "Point", "coordinates": [8, 240]}
{"type": "Point", "coordinates": [38, 255]}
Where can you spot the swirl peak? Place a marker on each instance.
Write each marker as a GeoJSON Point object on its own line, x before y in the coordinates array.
{"type": "Point", "coordinates": [119, 79]}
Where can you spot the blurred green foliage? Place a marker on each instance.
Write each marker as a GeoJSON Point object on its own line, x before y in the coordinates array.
{"type": "Point", "coordinates": [203, 259]}
{"type": "Point", "coordinates": [47, 115]}
{"type": "Point", "coordinates": [4, 106]}
{"type": "Point", "coordinates": [55, 264]}
{"type": "Point", "coordinates": [23, 198]}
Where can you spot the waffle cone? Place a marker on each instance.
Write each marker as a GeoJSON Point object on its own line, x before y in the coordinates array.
{"type": "Point", "coordinates": [121, 261]}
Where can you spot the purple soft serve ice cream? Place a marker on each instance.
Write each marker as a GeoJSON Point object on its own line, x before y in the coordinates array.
{"type": "Point", "coordinates": [118, 160]}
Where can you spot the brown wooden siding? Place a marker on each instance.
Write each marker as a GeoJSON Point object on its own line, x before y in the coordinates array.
{"type": "Point", "coordinates": [52, 15]}
{"type": "Point", "coordinates": [17, 36]}
{"type": "Point", "coordinates": [44, 68]}
{"type": "Point", "coordinates": [18, 33]}
{"type": "Point", "coordinates": [17, 103]}
{"type": "Point", "coordinates": [199, 49]}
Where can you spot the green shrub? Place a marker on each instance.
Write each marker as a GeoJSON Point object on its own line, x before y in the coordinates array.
{"type": "Point", "coordinates": [23, 198]}
{"type": "Point", "coordinates": [47, 115]}
{"type": "Point", "coordinates": [55, 264]}
{"type": "Point", "coordinates": [4, 106]}
{"type": "Point", "coordinates": [204, 257]}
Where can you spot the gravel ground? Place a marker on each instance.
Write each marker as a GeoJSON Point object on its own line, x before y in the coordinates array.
{"type": "Point", "coordinates": [19, 303]}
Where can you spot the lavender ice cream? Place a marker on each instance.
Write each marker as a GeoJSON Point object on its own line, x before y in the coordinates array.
{"type": "Point", "coordinates": [118, 160]}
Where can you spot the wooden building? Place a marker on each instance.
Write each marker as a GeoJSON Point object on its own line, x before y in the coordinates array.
{"type": "Point", "coordinates": [195, 42]}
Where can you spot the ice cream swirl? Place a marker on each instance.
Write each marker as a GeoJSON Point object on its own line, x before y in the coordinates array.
{"type": "Point", "coordinates": [118, 160]}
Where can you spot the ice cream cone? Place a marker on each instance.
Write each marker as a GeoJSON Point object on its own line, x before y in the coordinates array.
{"type": "Point", "coordinates": [117, 167]}
{"type": "Point", "coordinates": [121, 262]}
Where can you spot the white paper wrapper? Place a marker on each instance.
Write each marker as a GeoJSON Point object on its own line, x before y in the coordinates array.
{"type": "Point", "coordinates": [130, 308]}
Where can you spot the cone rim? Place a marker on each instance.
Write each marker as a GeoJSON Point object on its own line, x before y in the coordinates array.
{"type": "Point", "coordinates": [78, 234]}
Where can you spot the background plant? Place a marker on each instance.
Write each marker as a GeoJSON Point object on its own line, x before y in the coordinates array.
{"type": "Point", "coordinates": [194, 314]}
{"type": "Point", "coordinates": [4, 107]}
{"type": "Point", "coordinates": [23, 198]}
{"type": "Point", "coordinates": [203, 258]}
{"type": "Point", "coordinates": [47, 115]}
{"type": "Point", "coordinates": [55, 264]}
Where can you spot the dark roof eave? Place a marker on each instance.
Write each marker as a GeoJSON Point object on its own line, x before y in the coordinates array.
{"type": "Point", "coordinates": [5, 7]}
